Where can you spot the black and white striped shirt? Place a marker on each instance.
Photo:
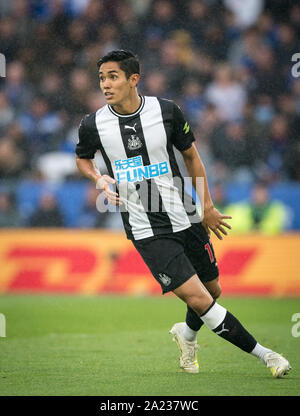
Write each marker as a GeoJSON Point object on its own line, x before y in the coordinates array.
{"type": "Point", "coordinates": [138, 151]}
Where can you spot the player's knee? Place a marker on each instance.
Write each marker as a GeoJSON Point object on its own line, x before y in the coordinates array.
{"type": "Point", "coordinates": [214, 289]}
{"type": "Point", "coordinates": [199, 303]}
{"type": "Point", "coordinates": [216, 293]}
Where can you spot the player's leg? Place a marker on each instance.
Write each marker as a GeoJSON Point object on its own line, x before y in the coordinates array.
{"type": "Point", "coordinates": [170, 266]}
{"type": "Point", "coordinates": [192, 321]}
{"type": "Point", "coordinates": [223, 323]}
{"type": "Point", "coordinates": [199, 250]}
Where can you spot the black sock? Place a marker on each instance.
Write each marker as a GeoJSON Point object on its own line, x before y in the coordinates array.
{"type": "Point", "coordinates": [233, 331]}
{"type": "Point", "coordinates": [192, 319]}
{"type": "Point", "coordinates": [227, 326]}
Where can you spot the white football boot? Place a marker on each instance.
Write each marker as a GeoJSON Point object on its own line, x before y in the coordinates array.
{"type": "Point", "coordinates": [277, 364]}
{"type": "Point", "coordinates": [188, 349]}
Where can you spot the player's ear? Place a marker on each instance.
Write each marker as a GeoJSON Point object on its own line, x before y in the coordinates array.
{"type": "Point", "coordinates": [134, 79]}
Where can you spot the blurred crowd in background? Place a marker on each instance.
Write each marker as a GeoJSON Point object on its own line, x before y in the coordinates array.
{"type": "Point", "coordinates": [227, 63]}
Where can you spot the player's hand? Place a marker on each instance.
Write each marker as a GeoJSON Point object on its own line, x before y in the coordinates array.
{"type": "Point", "coordinates": [214, 220]}
{"type": "Point", "coordinates": [103, 183]}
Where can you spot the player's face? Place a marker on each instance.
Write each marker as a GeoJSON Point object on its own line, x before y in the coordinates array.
{"type": "Point", "coordinates": [113, 83]}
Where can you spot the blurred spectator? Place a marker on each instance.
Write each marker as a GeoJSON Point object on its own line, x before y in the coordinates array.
{"type": "Point", "coordinates": [60, 17]}
{"type": "Point", "coordinates": [268, 79]}
{"type": "Point", "coordinates": [201, 68]}
{"type": "Point", "coordinates": [288, 44]}
{"type": "Point", "coordinates": [226, 94]}
{"type": "Point", "coordinates": [108, 36]}
{"type": "Point", "coordinates": [52, 88]}
{"type": "Point", "coordinates": [208, 124]}
{"type": "Point", "coordinates": [10, 38]}
{"type": "Point", "coordinates": [16, 87]}
{"type": "Point", "coordinates": [279, 140]}
{"type": "Point", "coordinates": [162, 17]}
{"type": "Point", "coordinates": [77, 7]}
{"type": "Point", "coordinates": [184, 45]}
{"type": "Point", "coordinates": [152, 42]}
{"type": "Point", "coordinates": [287, 106]}
{"type": "Point", "coordinates": [292, 162]}
{"type": "Point", "coordinates": [71, 138]}
{"type": "Point", "coordinates": [242, 50]}
{"type": "Point", "coordinates": [197, 20]}
{"type": "Point", "coordinates": [63, 61]}
{"type": "Point", "coordinates": [17, 137]}
{"type": "Point", "coordinates": [56, 166]}
{"type": "Point", "coordinates": [155, 84]}
{"type": "Point", "coordinates": [129, 28]}
{"type": "Point", "coordinates": [174, 69]}
{"type": "Point", "coordinates": [229, 146]}
{"type": "Point", "coordinates": [257, 141]}
{"type": "Point", "coordinates": [215, 44]}
{"type": "Point", "coordinates": [267, 30]}
{"type": "Point", "coordinates": [240, 148]}
{"type": "Point", "coordinates": [47, 213]}
{"type": "Point", "coordinates": [193, 102]}
{"type": "Point", "coordinates": [246, 12]}
{"type": "Point", "coordinates": [80, 87]}
{"type": "Point", "coordinates": [264, 110]}
{"type": "Point", "coordinates": [76, 36]}
{"type": "Point", "coordinates": [95, 15]}
{"type": "Point", "coordinates": [41, 125]}
{"type": "Point", "coordinates": [44, 51]}
{"type": "Point", "coordinates": [260, 214]}
{"type": "Point", "coordinates": [140, 8]}
{"type": "Point", "coordinates": [6, 112]}
{"type": "Point", "coordinates": [294, 17]}
{"type": "Point", "coordinates": [12, 160]}
{"type": "Point", "coordinates": [9, 216]}
{"type": "Point", "coordinates": [279, 8]}
{"type": "Point", "coordinates": [95, 101]}
{"type": "Point", "coordinates": [219, 197]}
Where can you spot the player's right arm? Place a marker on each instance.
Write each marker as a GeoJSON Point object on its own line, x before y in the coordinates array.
{"type": "Point", "coordinates": [102, 182]}
{"type": "Point", "coordinates": [88, 169]}
{"type": "Point", "coordinates": [85, 153]}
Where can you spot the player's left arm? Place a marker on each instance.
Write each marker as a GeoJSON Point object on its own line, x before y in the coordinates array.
{"type": "Point", "coordinates": [212, 218]}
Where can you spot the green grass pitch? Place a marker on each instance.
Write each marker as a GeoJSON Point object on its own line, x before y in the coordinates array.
{"type": "Point", "coordinates": [114, 346]}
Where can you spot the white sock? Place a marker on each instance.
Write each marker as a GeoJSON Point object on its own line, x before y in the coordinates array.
{"type": "Point", "coordinates": [214, 316]}
{"type": "Point", "coordinates": [189, 334]}
{"type": "Point", "coordinates": [259, 351]}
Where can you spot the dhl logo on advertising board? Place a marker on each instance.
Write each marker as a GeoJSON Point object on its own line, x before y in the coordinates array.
{"type": "Point", "coordinates": [99, 262]}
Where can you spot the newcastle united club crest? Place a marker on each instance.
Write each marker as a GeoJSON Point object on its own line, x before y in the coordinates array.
{"type": "Point", "coordinates": [134, 142]}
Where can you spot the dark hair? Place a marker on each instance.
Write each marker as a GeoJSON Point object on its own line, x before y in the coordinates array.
{"type": "Point", "coordinates": [129, 62]}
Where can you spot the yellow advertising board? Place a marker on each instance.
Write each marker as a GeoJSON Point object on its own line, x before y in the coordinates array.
{"type": "Point", "coordinates": [100, 262]}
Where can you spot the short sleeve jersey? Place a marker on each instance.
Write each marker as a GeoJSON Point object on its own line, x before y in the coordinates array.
{"type": "Point", "coordinates": [138, 150]}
